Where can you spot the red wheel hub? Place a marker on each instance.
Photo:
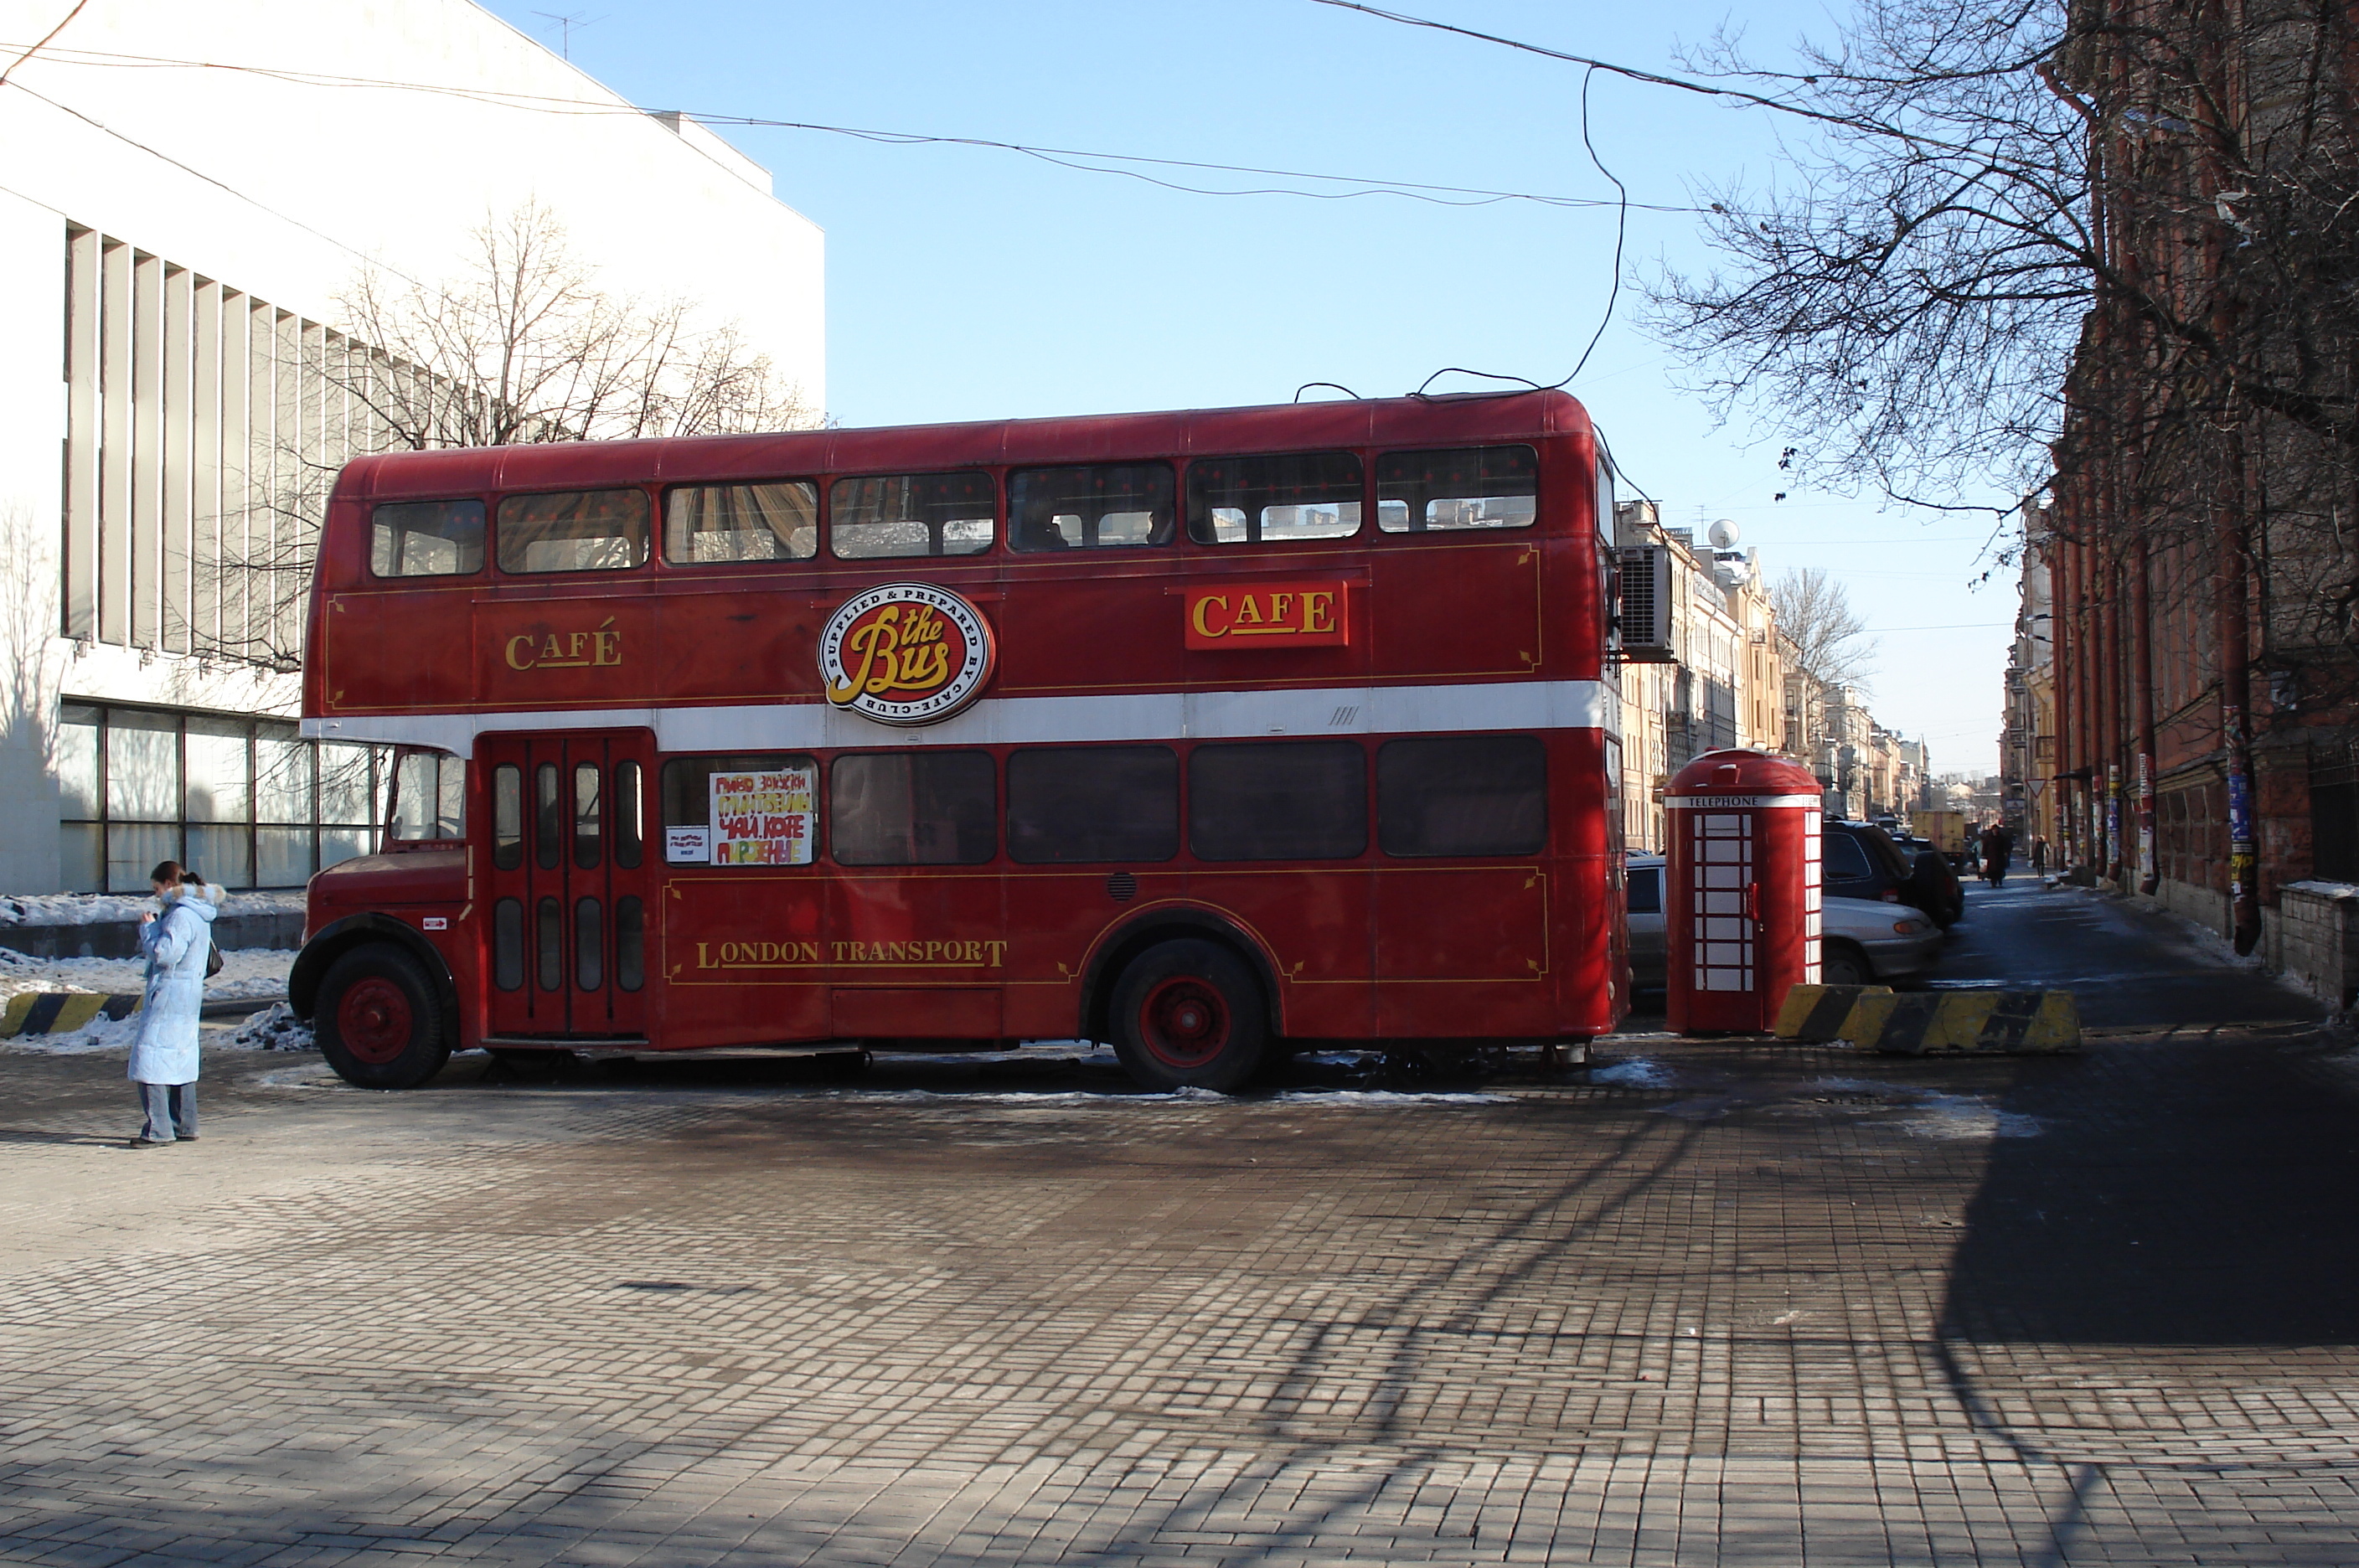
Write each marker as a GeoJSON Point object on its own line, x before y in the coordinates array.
{"type": "Point", "coordinates": [373, 1019]}
{"type": "Point", "coordinates": [1184, 1022]}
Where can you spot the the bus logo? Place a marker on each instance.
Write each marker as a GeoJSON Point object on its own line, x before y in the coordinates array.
{"type": "Point", "coordinates": [904, 653]}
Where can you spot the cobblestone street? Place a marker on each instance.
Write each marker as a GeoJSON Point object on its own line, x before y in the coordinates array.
{"type": "Point", "coordinates": [1704, 1304]}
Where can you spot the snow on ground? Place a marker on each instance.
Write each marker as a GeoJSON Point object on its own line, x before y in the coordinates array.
{"type": "Point", "coordinates": [257, 972]}
{"type": "Point", "coordinates": [1639, 1072]}
{"type": "Point", "coordinates": [275, 1029]}
{"type": "Point", "coordinates": [107, 909]}
{"type": "Point", "coordinates": [271, 1029]}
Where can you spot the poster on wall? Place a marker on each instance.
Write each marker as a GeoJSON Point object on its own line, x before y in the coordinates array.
{"type": "Point", "coordinates": [763, 819]}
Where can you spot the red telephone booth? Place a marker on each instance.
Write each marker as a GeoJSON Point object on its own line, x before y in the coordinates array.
{"type": "Point", "coordinates": [1741, 892]}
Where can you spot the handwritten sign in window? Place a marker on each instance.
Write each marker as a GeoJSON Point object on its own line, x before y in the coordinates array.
{"type": "Point", "coordinates": [763, 819]}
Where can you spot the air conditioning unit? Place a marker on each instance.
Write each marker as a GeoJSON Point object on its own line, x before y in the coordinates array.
{"type": "Point", "coordinates": [1646, 604]}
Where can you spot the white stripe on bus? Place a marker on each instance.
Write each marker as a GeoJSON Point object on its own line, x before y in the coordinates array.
{"type": "Point", "coordinates": [1033, 721]}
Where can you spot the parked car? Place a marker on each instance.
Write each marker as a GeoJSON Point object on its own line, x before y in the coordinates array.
{"type": "Point", "coordinates": [1937, 875]}
{"type": "Point", "coordinates": [1857, 861]}
{"type": "Point", "coordinates": [1860, 940]}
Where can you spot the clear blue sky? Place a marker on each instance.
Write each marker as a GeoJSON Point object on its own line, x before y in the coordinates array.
{"type": "Point", "coordinates": [966, 283]}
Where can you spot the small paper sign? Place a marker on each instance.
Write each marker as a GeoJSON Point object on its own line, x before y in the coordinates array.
{"type": "Point", "coordinates": [688, 847]}
{"type": "Point", "coordinates": [763, 819]}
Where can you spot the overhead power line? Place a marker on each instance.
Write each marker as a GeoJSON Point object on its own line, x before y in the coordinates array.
{"type": "Point", "coordinates": [1366, 185]}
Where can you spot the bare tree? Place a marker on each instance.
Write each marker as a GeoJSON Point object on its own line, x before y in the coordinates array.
{"type": "Point", "coordinates": [1831, 644]}
{"type": "Point", "coordinates": [525, 346]}
{"type": "Point", "coordinates": [522, 345]}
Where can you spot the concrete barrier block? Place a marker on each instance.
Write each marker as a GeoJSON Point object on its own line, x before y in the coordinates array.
{"type": "Point", "coordinates": [1997, 1023]}
{"type": "Point", "coordinates": [60, 1012]}
{"type": "Point", "coordinates": [1817, 1012]}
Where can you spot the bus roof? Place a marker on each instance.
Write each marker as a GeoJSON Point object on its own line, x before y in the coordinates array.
{"type": "Point", "coordinates": [1469, 418]}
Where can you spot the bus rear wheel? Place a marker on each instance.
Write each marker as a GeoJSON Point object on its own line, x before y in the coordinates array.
{"type": "Point", "coordinates": [1189, 1014]}
{"type": "Point", "coordinates": [378, 1021]}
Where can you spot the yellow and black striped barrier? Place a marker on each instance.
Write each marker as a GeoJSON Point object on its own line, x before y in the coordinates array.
{"type": "Point", "coordinates": [1875, 1017]}
{"type": "Point", "coordinates": [1817, 1012]}
{"type": "Point", "coordinates": [61, 1012]}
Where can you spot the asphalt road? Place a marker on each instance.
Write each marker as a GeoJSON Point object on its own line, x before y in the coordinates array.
{"type": "Point", "coordinates": [1705, 1303]}
{"type": "Point", "coordinates": [2127, 968]}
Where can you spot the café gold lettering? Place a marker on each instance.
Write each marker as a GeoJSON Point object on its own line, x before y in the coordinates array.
{"type": "Point", "coordinates": [1278, 615]}
{"type": "Point", "coordinates": [952, 953]}
{"type": "Point", "coordinates": [600, 648]}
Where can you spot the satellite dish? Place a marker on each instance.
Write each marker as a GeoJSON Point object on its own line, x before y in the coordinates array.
{"type": "Point", "coordinates": [1724, 535]}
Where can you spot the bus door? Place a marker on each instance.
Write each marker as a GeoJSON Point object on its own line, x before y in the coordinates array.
{"type": "Point", "coordinates": [573, 884]}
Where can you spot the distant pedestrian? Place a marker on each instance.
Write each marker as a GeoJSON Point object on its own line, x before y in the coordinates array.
{"type": "Point", "coordinates": [2038, 855]}
{"type": "Point", "coordinates": [178, 941]}
{"type": "Point", "coordinates": [1997, 847]}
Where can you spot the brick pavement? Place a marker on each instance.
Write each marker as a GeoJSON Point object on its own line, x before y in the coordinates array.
{"type": "Point", "coordinates": [1778, 1307]}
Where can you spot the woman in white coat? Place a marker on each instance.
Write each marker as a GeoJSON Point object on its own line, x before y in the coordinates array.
{"type": "Point", "coordinates": [164, 1053]}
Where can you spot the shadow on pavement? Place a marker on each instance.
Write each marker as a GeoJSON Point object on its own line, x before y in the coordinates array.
{"type": "Point", "coordinates": [2196, 1193]}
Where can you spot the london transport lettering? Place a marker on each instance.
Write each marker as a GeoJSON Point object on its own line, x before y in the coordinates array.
{"type": "Point", "coordinates": [904, 653]}
{"type": "Point", "coordinates": [761, 819]}
{"type": "Point", "coordinates": [1269, 615]}
{"type": "Point", "coordinates": [566, 650]}
{"type": "Point", "coordinates": [952, 954]}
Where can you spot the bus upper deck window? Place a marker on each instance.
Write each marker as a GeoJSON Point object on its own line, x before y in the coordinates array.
{"type": "Point", "coordinates": [911, 514]}
{"type": "Point", "coordinates": [1259, 500]}
{"type": "Point", "coordinates": [1471, 487]}
{"type": "Point", "coordinates": [574, 530]}
{"type": "Point", "coordinates": [1100, 507]}
{"type": "Point", "coordinates": [705, 524]}
{"type": "Point", "coordinates": [426, 539]}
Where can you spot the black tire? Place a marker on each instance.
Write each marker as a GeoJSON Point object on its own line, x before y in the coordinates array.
{"type": "Point", "coordinates": [1189, 1014]}
{"type": "Point", "coordinates": [378, 1020]}
{"type": "Point", "coordinates": [1840, 964]}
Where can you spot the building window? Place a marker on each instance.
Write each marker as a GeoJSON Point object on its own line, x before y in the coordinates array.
{"type": "Point", "coordinates": [202, 424]}
{"type": "Point", "coordinates": [245, 802]}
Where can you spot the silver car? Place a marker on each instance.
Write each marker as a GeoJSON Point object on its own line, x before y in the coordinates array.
{"type": "Point", "coordinates": [1860, 940]}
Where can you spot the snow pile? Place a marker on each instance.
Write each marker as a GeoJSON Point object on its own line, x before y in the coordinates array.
{"type": "Point", "coordinates": [19, 972]}
{"type": "Point", "coordinates": [246, 972]}
{"type": "Point", "coordinates": [109, 909]}
{"type": "Point", "coordinates": [274, 1028]}
{"type": "Point", "coordinates": [100, 1033]}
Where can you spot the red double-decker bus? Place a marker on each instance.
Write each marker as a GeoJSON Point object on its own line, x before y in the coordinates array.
{"type": "Point", "coordinates": [1212, 735]}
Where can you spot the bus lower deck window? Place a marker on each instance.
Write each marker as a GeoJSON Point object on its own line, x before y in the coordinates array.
{"type": "Point", "coordinates": [904, 808]}
{"type": "Point", "coordinates": [747, 809]}
{"type": "Point", "coordinates": [1278, 800]}
{"type": "Point", "coordinates": [1083, 804]}
{"type": "Point", "coordinates": [1461, 795]}
{"type": "Point", "coordinates": [1466, 487]}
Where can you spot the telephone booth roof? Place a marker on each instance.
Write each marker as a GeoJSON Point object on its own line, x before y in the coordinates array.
{"type": "Point", "coordinates": [1744, 772]}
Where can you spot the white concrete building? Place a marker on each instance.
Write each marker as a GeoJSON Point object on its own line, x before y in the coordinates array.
{"type": "Point", "coordinates": [174, 238]}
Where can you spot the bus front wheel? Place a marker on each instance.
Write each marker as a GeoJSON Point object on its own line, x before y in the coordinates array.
{"type": "Point", "coordinates": [1189, 1014]}
{"type": "Point", "coordinates": [378, 1021]}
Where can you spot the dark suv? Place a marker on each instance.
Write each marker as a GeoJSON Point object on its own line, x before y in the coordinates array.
{"type": "Point", "coordinates": [1857, 861]}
